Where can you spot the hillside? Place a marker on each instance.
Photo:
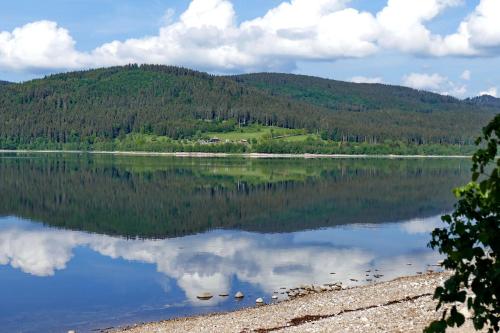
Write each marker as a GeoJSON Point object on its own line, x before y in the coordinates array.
{"type": "Point", "coordinates": [484, 100]}
{"type": "Point", "coordinates": [3, 83]}
{"type": "Point", "coordinates": [349, 96]}
{"type": "Point", "coordinates": [392, 109]}
{"type": "Point", "coordinates": [166, 101]}
{"type": "Point", "coordinates": [108, 104]}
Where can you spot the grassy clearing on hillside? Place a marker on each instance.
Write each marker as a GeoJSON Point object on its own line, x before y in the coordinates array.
{"type": "Point", "coordinates": [300, 138]}
{"type": "Point", "coordinates": [256, 132]}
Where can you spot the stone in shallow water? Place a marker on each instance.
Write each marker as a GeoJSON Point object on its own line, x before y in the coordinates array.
{"type": "Point", "coordinates": [239, 294]}
{"type": "Point", "coordinates": [223, 294]}
{"type": "Point", "coordinates": [204, 296]}
{"type": "Point", "coordinates": [275, 297]}
{"type": "Point", "coordinates": [259, 301]}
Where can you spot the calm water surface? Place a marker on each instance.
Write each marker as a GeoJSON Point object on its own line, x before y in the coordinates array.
{"type": "Point", "coordinates": [90, 242]}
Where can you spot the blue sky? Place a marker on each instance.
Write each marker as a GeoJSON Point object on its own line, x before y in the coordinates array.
{"type": "Point", "coordinates": [413, 43]}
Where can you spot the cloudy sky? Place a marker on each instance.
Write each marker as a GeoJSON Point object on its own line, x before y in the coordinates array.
{"type": "Point", "coordinates": [447, 46]}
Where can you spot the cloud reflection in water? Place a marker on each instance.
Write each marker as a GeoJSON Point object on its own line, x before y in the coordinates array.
{"type": "Point", "coordinates": [208, 262]}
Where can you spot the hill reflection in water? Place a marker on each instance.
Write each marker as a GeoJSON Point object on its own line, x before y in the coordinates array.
{"type": "Point", "coordinates": [168, 197]}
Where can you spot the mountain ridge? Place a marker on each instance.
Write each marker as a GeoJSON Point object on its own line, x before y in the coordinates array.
{"type": "Point", "coordinates": [484, 100]}
{"type": "Point", "coordinates": [108, 103]}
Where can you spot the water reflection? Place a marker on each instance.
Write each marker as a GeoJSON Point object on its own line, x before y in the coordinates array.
{"type": "Point", "coordinates": [209, 262]}
{"type": "Point", "coordinates": [161, 197]}
{"type": "Point", "coordinates": [90, 242]}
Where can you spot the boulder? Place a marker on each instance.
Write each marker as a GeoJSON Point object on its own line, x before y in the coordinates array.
{"type": "Point", "coordinates": [204, 296]}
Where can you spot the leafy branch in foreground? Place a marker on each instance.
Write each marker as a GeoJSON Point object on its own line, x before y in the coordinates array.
{"type": "Point", "coordinates": [471, 243]}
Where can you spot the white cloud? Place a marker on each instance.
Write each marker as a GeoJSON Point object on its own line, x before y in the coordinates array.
{"type": "Point", "coordinates": [311, 30]}
{"type": "Point", "coordinates": [424, 81]}
{"type": "Point", "coordinates": [403, 27]}
{"type": "Point", "coordinates": [435, 83]}
{"type": "Point", "coordinates": [491, 91]}
{"type": "Point", "coordinates": [207, 36]}
{"type": "Point", "coordinates": [466, 75]}
{"type": "Point", "coordinates": [364, 79]}
{"type": "Point", "coordinates": [457, 91]}
{"type": "Point", "coordinates": [40, 44]}
{"type": "Point", "coordinates": [482, 27]}
{"type": "Point", "coordinates": [478, 34]}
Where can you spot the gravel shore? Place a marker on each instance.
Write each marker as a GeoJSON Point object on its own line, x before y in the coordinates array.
{"type": "Point", "coordinates": [401, 305]}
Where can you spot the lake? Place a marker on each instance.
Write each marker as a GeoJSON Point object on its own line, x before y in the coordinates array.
{"type": "Point", "coordinates": [89, 242]}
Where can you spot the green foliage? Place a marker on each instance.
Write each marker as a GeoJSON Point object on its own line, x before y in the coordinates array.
{"type": "Point", "coordinates": [258, 140]}
{"type": "Point", "coordinates": [471, 243]}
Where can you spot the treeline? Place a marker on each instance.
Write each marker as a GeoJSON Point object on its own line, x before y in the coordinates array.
{"type": "Point", "coordinates": [90, 107]}
{"type": "Point", "coordinates": [484, 100]}
{"type": "Point", "coordinates": [138, 142]}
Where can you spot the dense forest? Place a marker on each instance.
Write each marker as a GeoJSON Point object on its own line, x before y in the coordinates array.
{"type": "Point", "coordinates": [158, 197]}
{"type": "Point", "coordinates": [484, 100]}
{"type": "Point", "coordinates": [97, 107]}
{"type": "Point", "coordinates": [393, 112]}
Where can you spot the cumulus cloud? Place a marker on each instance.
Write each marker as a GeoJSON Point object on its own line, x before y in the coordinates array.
{"type": "Point", "coordinates": [424, 81]}
{"type": "Point", "coordinates": [402, 24]}
{"type": "Point", "coordinates": [364, 79]}
{"type": "Point", "coordinates": [208, 36]}
{"type": "Point", "coordinates": [480, 30]}
{"type": "Point", "coordinates": [435, 83]}
{"type": "Point", "coordinates": [41, 44]}
{"type": "Point", "coordinates": [491, 92]}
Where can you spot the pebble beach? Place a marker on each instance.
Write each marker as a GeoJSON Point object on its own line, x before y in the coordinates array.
{"type": "Point", "coordinates": [401, 305]}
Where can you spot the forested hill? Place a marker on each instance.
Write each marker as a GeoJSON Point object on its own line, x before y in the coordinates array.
{"type": "Point", "coordinates": [161, 100]}
{"type": "Point", "coordinates": [2, 83]}
{"type": "Point", "coordinates": [349, 96]}
{"type": "Point", "coordinates": [484, 100]}
{"type": "Point", "coordinates": [105, 104]}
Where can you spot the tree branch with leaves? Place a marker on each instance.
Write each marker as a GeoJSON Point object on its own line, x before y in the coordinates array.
{"type": "Point", "coordinates": [471, 244]}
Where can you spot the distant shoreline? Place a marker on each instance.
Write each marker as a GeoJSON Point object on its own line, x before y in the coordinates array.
{"type": "Point", "coordinates": [223, 155]}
